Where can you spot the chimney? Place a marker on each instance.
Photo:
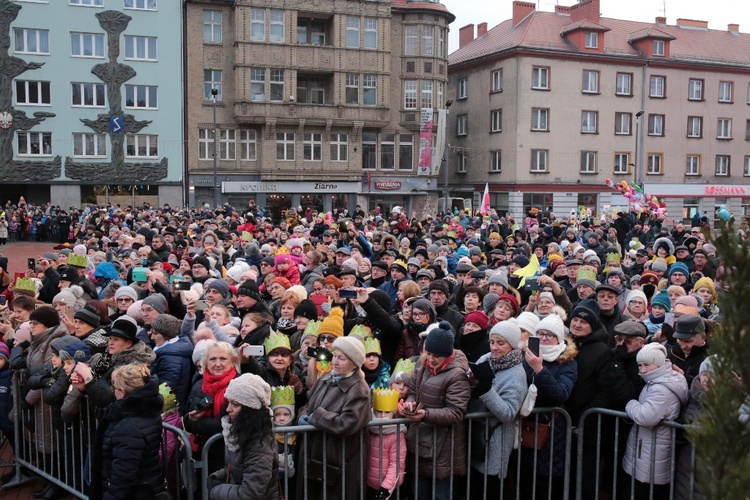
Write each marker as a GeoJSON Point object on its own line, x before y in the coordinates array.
{"type": "Point", "coordinates": [585, 10]}
{"type": "Point", "coordinates": [692, 23]}
{"type": "Point", "coordinates": [521, 10]}
{"type": "Point", "coordinates": [562, 10]}
{"type": "Point", "coordinates": [465, 35]}
{"type": "Point", "coordinates": [481, 29]}
{"type": "Point", "coordinates": [734, 28]}
{"type": "Point", "coordinates": [661, 21]}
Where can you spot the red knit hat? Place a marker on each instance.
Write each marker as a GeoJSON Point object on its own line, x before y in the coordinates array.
{"type": "Point", "coordinates": [479, 318]}
{"type": "Point", "coordinates": [511, 299]}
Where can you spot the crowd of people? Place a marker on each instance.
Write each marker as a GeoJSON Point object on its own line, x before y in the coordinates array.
{"type": "Point", "coordinates": [222, 321]}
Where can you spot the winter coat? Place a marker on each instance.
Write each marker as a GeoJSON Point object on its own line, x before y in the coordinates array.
{"type": "Point", "coordinates": [610, 322]}
{"type": "Point", "coordinates": [408, 344]}
{"type": "Point", "coordinates": [341, 408]}
{"type": "Point", "coordinates": [308, 279]}
{"type": "Point", "coordinates": [503, 401]}
{"type": "Point", "coordinates": [99, 390]}
{"type": "Point", "coordinates": [688, 364]}
{"type": "Point", "coordinates": [250, 474]}
{"type": "Point", "coordinates": [687, 486]}
{"type": "Point", "coordinates": [387, 454]}
{"type": "Point", "coordinates": [473, 345]}
{"type": "Point", "coordinates": [385, 327]}
{"type": "Point", "coordinates": [6, 400]}
{"type": "Point", "coordinates": [174, 366]}
{"type": "Point", "coordinates": [448, 313]}
{"type": "Point", "coordinates": [662, 398]}
{"type": "Point", "coordinates": [446, 397]}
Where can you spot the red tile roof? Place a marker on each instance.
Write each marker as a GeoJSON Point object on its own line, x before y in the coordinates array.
{"type": "Point", "coordinates": [542, 30]}
{"type": "Point", "coordinates": [408, 4]}
{"type": "Point", "coordinates": [582, 24]}
{"type": "Point", "coordinates": [650, 32]}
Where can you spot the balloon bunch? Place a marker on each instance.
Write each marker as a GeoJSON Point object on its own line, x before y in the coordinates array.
{"type": "Point", "coordinates": [638, 200]}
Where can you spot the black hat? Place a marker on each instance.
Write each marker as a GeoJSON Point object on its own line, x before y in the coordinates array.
{"type": "Point", "coordinates": [521, 260]}
{"type": "Point", "coordinates": [439, 285]}
{"type": "Point", "coordinates": [4, 263]}
{"type": "Point", "coordinates": [125, 327]}
{"type": "Point", "coordinates": [382, 298]}
{"type": "Point", "coordinates": [642, 252]}
{"type": "Point", "coordinates": [422, 252]}
{"type": "Point", "coordinates": [270, 260]}
{"type": "Point", "coordinates": [607, 286]}
{"type": "Point", "coordinates": [380, 264]}
{"type": "Point", "coordinates": [631, 329]}
{"type": "Point", "coordinates": [306, 309]}
{"type": "Point", "coordinates": [89, 315]}
{"type": "Point", "coordinates": [587, 310]}
{"type": "Point", "coordinates": [688, 325]}
{"type": "Point", "coordinates": [249, 289]}
{"type": "Point", "coordinates": [440, 340]}
{"type": "Point", "coordinates": [203, 261]}
{"type": "Point", "coordinates": [69, 274]}
{"type": "Point", "coordinates": [464, 268]}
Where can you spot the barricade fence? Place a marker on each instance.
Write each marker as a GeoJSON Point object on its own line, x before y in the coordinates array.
{"type": "Point", "coordinates": [540, 457]}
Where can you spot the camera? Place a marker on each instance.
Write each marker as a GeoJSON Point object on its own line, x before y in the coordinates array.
{"type": "Point", "coordinates": [320, 353]}
{"type": "Point", "coordinates": [205, 403]}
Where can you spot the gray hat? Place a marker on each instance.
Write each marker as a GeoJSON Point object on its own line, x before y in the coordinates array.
{"type": "Point", "coordinates": [352, 348]}
{"type": "Point", "coordinates": [167, 325]}
{"type": "Point", "coordinates": [427, 273]}
{"type": "Point", "coordinates": [425, 305]}
{"type": "Point", "coordinates": [249, 390]}
{"type": "Point", "coordinates": [499, 278]}
{"type": "Point", "coordinates": [344, 250]}
{"type": "Point", "coordinates": [413, 262]}
{"type": "Point", "coordinates": [631, 329]}
{"type": "Point", "coordinates": [688, 325]}
{"type": "Point", "coordinates": [126, 291]}
{"type": "Point", "coordinates": [50, 256]}
{"type": "Point", "coordinates": [220, 286]}
{"type": "Point", "coordinates": [157, 301]}
{"type": "Point", "coordinates": [659, 264]}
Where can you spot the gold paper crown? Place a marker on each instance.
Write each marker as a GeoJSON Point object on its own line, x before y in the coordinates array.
{"type": "Point", "coordinates": [361, 332]}
{"type": "Point", "coordinates": [26, 284]}
{"type": "Point", "coordinates": [275, 341]}
{"type": "Point", "coordinates": [282, 395]}
{"type": "Point", "coordinates": [404, 365]}
{"type": "Point", "coordinates": [312, 328]}
{"type": "Point", "coordinates": [246, 235]}
{"type": "Point", "coordinates": [384, 400]}
{"type": "Point", "coordinates": [372, 345]}
{"type": "Point", "coordinates": [613, 257]}
{"type": "Point", "coordinates": [77, 260]}
{"type": "Point", "coordinates": [585, 274]}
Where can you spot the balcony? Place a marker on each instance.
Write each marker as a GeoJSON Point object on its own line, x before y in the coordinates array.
{"type": "Point", "coordinates": [291, 113]}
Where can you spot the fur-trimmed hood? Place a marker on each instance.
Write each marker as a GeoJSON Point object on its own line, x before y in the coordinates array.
{"type": "Point", "coordinates": [666, 241]}
{"type": "Point", "coordinates": [569, 354]}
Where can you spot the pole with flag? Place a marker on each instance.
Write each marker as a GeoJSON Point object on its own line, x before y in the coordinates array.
{"type": "Point", "coordinates": [485, 200]}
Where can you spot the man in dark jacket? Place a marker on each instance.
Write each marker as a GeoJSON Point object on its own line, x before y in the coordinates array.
{"type": "Point", "coordinates": [385, 327]}
{"type": "Point", "coordinates": [609, 314]}
{"type": "Point", "coordinates": [438, 293]}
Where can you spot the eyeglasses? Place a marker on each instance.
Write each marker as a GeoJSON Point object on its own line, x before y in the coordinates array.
{"type": "Point", "coordinates": [417, 315]}
{"type": "Point", "coordinates": [546, 335]}
{"type": "Point", "coordinates": [124, 299]}
{"type": "Point", "coordinates": [326, 338]}
{"type": "Point", "coordinates": [628, 340]}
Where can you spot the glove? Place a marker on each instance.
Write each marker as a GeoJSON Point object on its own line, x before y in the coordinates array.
{"type": "Point", "coordinates": [325, 307]}
{"type": "Point", "coordinates": [295, 382]}
{"type": "Point", "coordinates": [304, 420]}
{"type": "Point", "coordinates": [484, 376]}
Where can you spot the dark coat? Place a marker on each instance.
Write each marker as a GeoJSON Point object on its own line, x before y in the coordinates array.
{"type": "Point", "coordinates": [448, 313]}
{"type": "Point", "coordinates": [385, 327]}
{"type": "Point", "coordinates": [174, 366]}
{"type": "Point", "coordinates": [249, 474]}
{"type": "Point", "coordinates": [592, 389]}
{"type": "Point", "coordinates": [688, 364]}
{"type": "Point", "coordinates": [473, 345]}
{"type": "Point", "coordinates": [610, 322]}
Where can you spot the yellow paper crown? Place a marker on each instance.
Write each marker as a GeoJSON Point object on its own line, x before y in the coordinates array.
{"type": "Point", "coordinates": [275, 341]}
{"type": "Point", "coordinates": [613, 257]}
{"type": "Point", "coordinates": [312, 328]}
{"type": "Point", "coordinates": [282, 395]}
{"type": "Point", "coordinates": [77, 260]}
{"type": "Point", "coordinates": [585, 274]}
{"type": "Point", "coordinates": [247, 235]}
{"type": "Point", "coordinates": [361, 332]}
{"type": "Point", "coordinates": [404, 365]}
{"type": "Point", "coordinates": [26, 284]}
{"type": "Point", "coordinates": [372, 345]}
{"type": "Point", "coordinates": [384, 400]}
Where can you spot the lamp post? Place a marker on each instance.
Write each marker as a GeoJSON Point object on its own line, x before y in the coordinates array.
{"type": "Point", "coordinates": [636, 163]}
{"type": "Point", "coordinates": [214, 93]}
{"type": "Point", "coordinates": [446, 207]}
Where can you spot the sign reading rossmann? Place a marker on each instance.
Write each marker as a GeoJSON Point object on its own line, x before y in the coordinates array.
{"type": "Point", "coordinates": [725, 190]}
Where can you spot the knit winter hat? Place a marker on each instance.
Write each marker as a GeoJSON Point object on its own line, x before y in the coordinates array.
{"type": "Point", "coordinates": [4, 351]}
{"type": "Point", "coordinates": [249, 390]}
{"type": "Point", "coordinates": [489, 301]}
{"type": "Point", "coordinates": [554, 324]}
{"type": "Point", "coordinates": [440, 340]}
{"type": "Point", "coordinates": [77, 351]}
{"type": "Point", "coordinates": [510, 299]}
{"type": "Point", "coordinates": [509, 330]}
{"type": "Point", "coordinates": [220, 286]}
{"type": "Point", "coordinates": [71, 297]}
{"type": "Point", "coordinates": [333, 324]}
{"type": "Point", "coordinates": [662, 300]}
{"type": "Point", "coordinates": [425, 305]}
{"type": "Point", "coordinates": [89, 315]}
{"type": "Point", "coordinates": [439, 285]}
{"type": "Point", "coordinates": [202, 260]}
{"type": "Point", "coordinates": [250, 289]}
{"type": "Point", "coordinates": [479, 318]}
{"type": "Point", "coordinates": [704, 283]}
{"type": "Point", "coordinates": [200, 348]}
{"type": "Point", "coordinates": [60, 343]}
{"type": "Point", "coordinates": [499, 278]}
{"type": "Point", "coordinates": [679, 267]}
{"type": "Point", "coordinates": [126, 291]}
{"type": "Point", "coordinates": [637, 294]}
{"type": "Point", "coordinates": [587, 310]}
{"type": "Point", "coordinates": [527, 321]}
{"type": "Point", "coordinates": [157, 301]}
{"type": "Point", "coordinates": [659, 264]}
{"type": "Point", "coordinates": [306, 309]}
{"type": "Point", "coordinates": [653, 353]}
{"type": "Point", "coordinates": [167, 325]}
{"type": "Point", "coordinates": [352, 349]}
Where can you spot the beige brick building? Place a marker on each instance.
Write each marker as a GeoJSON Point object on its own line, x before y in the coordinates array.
{"type": "Point", "coordinates": [318, 103]}
{"type": "Point", "coordinates": [551, 104]}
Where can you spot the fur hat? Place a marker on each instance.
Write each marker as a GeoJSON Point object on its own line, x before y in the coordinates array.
{"type": "Point", "coordinates": [157, 301]}
{"type": "Point", "coordinates": [249, 390]}
{"type": "Point", "coordinates": [440, 340]}
{"type": "Point", "coordinates": [167, 325]}
{"type": "Point", "coordinates": [527, 321]}
{"type": "Point", "coordinates": [653, 353]}
{"type": "Point", "coordinates": [351, 347]}
{"type": "Point", "coordinates": [553, 323]}
{"type": "Point", "coordinates": [509, 330]}
{"type": "Point", "coordinates": [126, 291]}
{"type": "Point", "coordinates": [333, 324]}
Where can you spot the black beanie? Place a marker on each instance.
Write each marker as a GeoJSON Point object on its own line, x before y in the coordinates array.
{"type": "Point", "coordinates": [270, 260]}
{"type": "Point", "coordinates": [440, 340]}
{"type": "Point", "coordinates": [89, 315]}
{"type": "Point", "coordinates": [382, 298]}
{"type": "Point", "coordinates": [587, 310]}
{"type": "Point", "coordinates": [203, 261]}
{"type": "Point", "coordinates": [306, 309]}
{"type": "Point", "coordinates": [441, 286]}
{"type": "Point", "coordinates": [250, 289]}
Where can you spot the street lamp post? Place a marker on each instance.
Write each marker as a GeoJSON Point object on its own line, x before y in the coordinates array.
{"type": "Point", "coordinates": [446, 193]}
{"type": "Point", "coordinates": [214, 94]}
{"type": "Point", "coordinates": [636, 163]}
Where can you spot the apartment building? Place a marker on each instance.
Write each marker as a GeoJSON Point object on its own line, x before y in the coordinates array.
{"type": "Point", "coordinates": [91, 101]}
{"type": "Point", "coordinates": [548, 105]}
{"type": "Point", "coordinates": [317, 104]}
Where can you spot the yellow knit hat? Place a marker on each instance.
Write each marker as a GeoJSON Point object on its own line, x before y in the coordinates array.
{"type": "Point", "coordinates": [333, 324]}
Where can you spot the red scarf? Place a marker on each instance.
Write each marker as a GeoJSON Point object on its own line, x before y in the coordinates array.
{"type": "Point", "coordinates": [214, 386]}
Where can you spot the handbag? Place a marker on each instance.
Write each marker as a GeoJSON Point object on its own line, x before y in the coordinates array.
{"type": "Point", "coordinates": [529, 401]}
{"type": "Point", "coordinates": [533, 433]}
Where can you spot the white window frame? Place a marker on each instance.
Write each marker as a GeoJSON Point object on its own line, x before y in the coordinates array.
{"type": "Point", "coordinates": [497, 80]}
{"type": "Point", "coordinates": [692, 164]}
{"type": "Point", "coordinates": [411, 40]}
{"type": "Point", "coordinates": [82, 141]}
{"type": "Point", "coordinates": [746, 170]}
{"type": "Point", "coordinates": [462, 125]}
{"type": "Point", "coordinates": [276, 26]}
{"type": "Point", "coordinates": [654, 163]}
{"type": "Point", "coordinates": [82, 88]}
{"type": "Point", "coordinates": [40, 91]}
{"type": "Point", "coordinates": [659, 48]}
{"type": "Point", "coordinates": [428, 40]}
{"type": "Point", "coordinates": [369, 90]}
{"type": "Point", "coordinates": [212, 26]}
{"type": "Point", "coordinates": [592, 40]}
{"type": "Point", "coordinates": [695, 89]}
{"type": "Point", "coordinates": [277, 85]}
{"type": "Point", "coordinates": [312, 146]}
{"type": "Point", "coordinates": [27, 137]}
{"type": "Point", "coordinates": [462, 89]}
{"type": "Point", "coordinates": [588, 162]}
{"type": "Point", "coordinates": [540, 119]}
{"type": "Point", "coordinates": [205, 144]}
{"type": "Point", "coordinates": [140, 4]}
{"type": "Point", "coordinates": [723, 163]}
{"type": "Point", "coordinates": [496, 161]}
{"type": "Point", "coordinates": [462, 162]}
{"type": "Point", "coordinates": [248, 144]}
{"type": "Point", "coordinates": [539, 161]}
{"type": "Point", "coordinates": [227, 144]}
{"type": "Point", "coordinates": [212, 79]}
{"type": "Point", "coordinates": [86, 3]}
{"type": "Point", "coordinates": [426, 94]}
{"type": "Point", "coordinates": [256, 82]}
{"type": "Point", "coordinates": [95, 38]}
{"type": "Point", "coordinates": [496, 120]}
{"type": "Point", "coordinates": [410, 94]}
{"type": "Point", "coordinates": [656, 125]}
{"type": "Point", "coordinates": [623, 123]}
{"type": "Point", "coordinates": [657, 86]}
{"type": "Point", "coordinates": [726, 92]}
{"type": "Point", "coordinates": [148, 90]}
{"type": "Point", "coordinates": [286, 142]}
{"type": "Point", "coordinates": [257, 21]}
{"type": "Point", "coordinates": [622, 159]}
{"type": "Point", "coordinates": [135, 44]}
{"type": "Point", "coordinates": [441, 42]}
{"type": "Point", "coordinates": [724, 128]}
{"type": "Point", "coordinates": [370, 33]}
{"type": "Point", "coordinates": [352, 39]}
{"type": "Point", "coordinates": [40, 37]}
{"type": "Point", "coordinates": [352, 89]}
{"type": "Point", "coordinates": [540, 78]}
{"type": "Point", "coordinates": [624, 84]}
{"type": "Point", "coordinates": [590, 82]}
{"type": "Point", "coordinates": [146, 139]}
{"type": "Point", "coordinates": [589, 122]}
{"type": "Point", "coordinates": [339, 147]}
{"type": "Point", "coordinates": [695, 127]}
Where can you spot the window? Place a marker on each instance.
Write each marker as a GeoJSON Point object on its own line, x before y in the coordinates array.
{"type": "Point", "coordinates": [310, 89]}
{"type": "Point", "coordinates": [141, 146]}
{"type": "Point", "coordinates": [277, 85]}
{"type": "Point", "coordinates": [497, 81]}
{"type": "Point", "coordinates": [34, 143]}
{"type": "Point", "coordinates": [205, 144]}
{"type": "Point", "coordinates": [31, 41]}
{"type": "Point", "coordinates": [387, 151]}
{"type": "Point", "coordinates": [227, 144]}
{"type": "Point", "coordinates": [622, 123]}
{"type": "Point", "coordinates": [722, 165]}
{"type": "Point", "coordinates": [747, 130]}
{"type": "Point", "coordinates": [411, 40]}
{"type": "Point", "coordinates": [140, 4]}
{"type": "Point", "coordinates": [695, 126]}
{"type": "Point", "coordinates": [588, 122]}
{"type": "Point", "coordinates": [463, 90]}
{"type": "Point", "coordinates": [32, 93]}
{"type": "Point", "coordinates": [624, 84]}
{"type": "Point", "coordinates": [539, 160]}
{"type": "Point", "coordinates": [693, 165]}
{"type": "Point", "coordinates": [428, 40]}
{"type": "Point", "coordinates": [539, 119]}
{"type": "Point", "coordinates": [463, 162]}
{"type": "Point", "coordinates": [257, 84]}
{"type": "Point", "coordinates": [369, 90]}
{"type": "Point", "coordinates": [462, 124]}
{"type": "Point", "coordinates": [426, 94]}
{"type": "Point", "coordinates": [496, 120]}
{"type": "Point", "coordinates": [406, 152]}
{"type": "Point", "coordinates": [655, 161]}
{"type": "Point", "coordinates": [590, 82]}
{"type": "Point", "coordinates": [87, 3]}
{"type": "Point", "coordinates": [695, 90]}
{"type": "Point", "coordinates": [592, 40]}
{"type": "Point", "coordinates": [257, 25]}
{"type": "Point", "coordinates": [659, 48]}
{"type": "Point", "coordinates": [276, 31]}
{"type": "Point", "coordinates": [141, 96]}
{"type": "Point", "coordinates": [211, 26]}
{"type": "Point", "coordinates": [87, 45]}
{"type": "Point", "coordinates": [89, 145]}
{"type": "Point", "coordinates": [89, 94]}
{"type": "Point", "coordinates": [352, 89]}
{"type": "Point", "coordinates": [440, 92]}
{"type": "Point", "coordinates": [622, 163]}
{"type": "Point", "coordinates": [369, 150]}
{"type": "Point", "coordinates": [313, 147]}
{"type": "Point", "coordinates": [657, 87]}
{"type": "Point", "coordinates": [248, 145]}
{"type": "Point", "coordinates": [540, 78]}
{"type": "Point", "coordinates": [352, 32]}
{"type": "Point", "coordinates": [285, 146]}
{"type": "Point", "coordinates": [310, 31]}
{"type": "Point", "coordinates": [441, 42]}
{"type": "Point", "coordinates": [588, 162]}
{"type": "Point", "coordinates": [140, 48]}
{"type": "Point", "coordinates": [371, 33]}
{"type": "Point", "coordinates": [656, 125]}
{"type": "Point", "coordinates": [746, 171]}
{"type": "Point", "coordinates": [726, 91]}
{"type": "Point", "coordinates": [410, 94]}
{"type": "Point", "coordinates": [496, 161]}
{"type": "Point", "coordinates": [212, 80]}
{"type": "Point", "coordinates": [339, 147]}
{"type": "Point", "coordinates": [724, 128]}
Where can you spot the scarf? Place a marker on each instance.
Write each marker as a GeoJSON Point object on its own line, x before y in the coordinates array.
{"type": "Point", "coordinates": [655, 320]}
{"type": "Point", "coordinates": [371, 376]}
{"type": "Point", "coordinates": [214, 386]}
{"type": "Point", "coordinates": [550, 353]}
{"type": "Point", "coordinates": [510, 360]}
{"type": "Point", "coordinates": [229, 439]}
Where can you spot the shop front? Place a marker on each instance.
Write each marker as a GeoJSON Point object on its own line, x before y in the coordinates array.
{"type": "Point", "coordinates": [413, 194]}
{"type": "Point", "coordinates": [685, 200]}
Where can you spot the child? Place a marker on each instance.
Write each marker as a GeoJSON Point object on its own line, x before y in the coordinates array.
{"type": "Point", "coordinates": [301, 358]}
{"type": "Point", "coordinates": [400, 378]}
{"type": "Point", "coordinates": [660, 306]}
{"type": "Point", "coordinates": [377, 372]}
{"type": "Point", "coordinates": [171, 416]}
{"type": "Point", "coordinates": [282, 406]}
{"type": "Point", "coordinates": [662, 398]}
{"type": "Point", "coordinates": [6, 397]}
{"type": "Point", "coordinates": [285, 267]}
{"type": "Point", "coordinates": [387, 447]}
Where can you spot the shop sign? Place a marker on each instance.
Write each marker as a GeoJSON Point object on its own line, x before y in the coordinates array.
{"type": "Point", "coordinates": [725, 190]}
{"type": "Point", "coordinates": [289, 187]}
{"type": "Point", "coordinates": [388, 184]}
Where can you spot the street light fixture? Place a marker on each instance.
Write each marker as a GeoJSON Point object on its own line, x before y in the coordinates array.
{"type": "Point", "coordinates": [636, 163]}
{"type": "Point", "coordinates": [214, 94]}
{"type": "Point", "coordinates": [446, 206]}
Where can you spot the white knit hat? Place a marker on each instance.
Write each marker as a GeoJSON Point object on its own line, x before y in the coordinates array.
{"type": "Point", "coordinates": [527, 321]}
{"type": "Point", "coordinates": [249, 390]}
{"type": "Point", "coordinates": [126, 291]}
{"type": "Point", "coordinates": [200, 348]}
{"type": "Point", "coordinates": [352, 349]}
{"type": "Point", "coordinates": [509, 330]}
{"type": "Point", "coordinates": [637, 294]}
{"type": "Point", "coordinates": [553, 323]}
{"type": "Point", "coordinates": [71, 297]}
{"type": "Point", "coordinates": [653, 353]}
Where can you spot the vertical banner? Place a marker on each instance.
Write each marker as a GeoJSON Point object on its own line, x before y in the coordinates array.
{"type": "Point", "coordinates": [425, 142]}
{"type": "Point", "coordinates": [439, 150]}
{"type": "Point", "coordinates": [485, 207]}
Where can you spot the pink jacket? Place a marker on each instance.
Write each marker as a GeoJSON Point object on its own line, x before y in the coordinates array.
{"type": "Point", "coordinates": [393, 450]}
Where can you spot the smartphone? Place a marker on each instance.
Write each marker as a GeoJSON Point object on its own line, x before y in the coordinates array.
{"type": "Point", "coordinates": [253, 350]}
{"type": "Point", "coordinates": [347, 294]}
{"type": "Point", "coordinates": [3, 300]}
{"type": "Point", "coordinates": [200, 305]}
{"type": "Point", "coordinates": [182, 285]}
{"type": "Point", "coordinates": [144, 262]}
{"type": "Point", "coordinates": [113, 244]}
{"type": "Point", "coordinates": [139, 274]}
{"type": "Point", "coordinates": [31, 262]}
{"type": "Point", "coordinates": [533, 345]}
{"type": "Point", "coordinates": [533, 284]}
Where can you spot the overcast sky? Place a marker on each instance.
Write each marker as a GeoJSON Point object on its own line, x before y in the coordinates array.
{"type": "Point", "coordinates": [718, 13]}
